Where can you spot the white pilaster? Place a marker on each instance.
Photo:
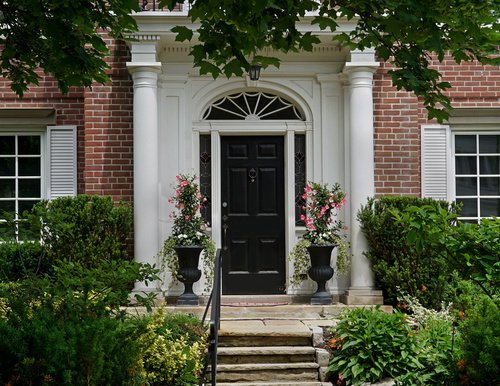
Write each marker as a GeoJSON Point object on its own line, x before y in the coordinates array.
{"type": "Point", "coordinates": [144, 70]}
{"type": "Point", "coordinates": [362, 168]}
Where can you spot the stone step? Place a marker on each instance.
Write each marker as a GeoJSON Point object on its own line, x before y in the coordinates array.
{"type": "Point", "coordinates": [270, 354]}
{"type": "Point", "coordinates": [299, 372]}
{"type": "Point", "coordinates": [240, 333]}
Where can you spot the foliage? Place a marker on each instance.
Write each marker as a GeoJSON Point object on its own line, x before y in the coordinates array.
{"type": "Point", "coordinates": [409, 34]}
{"type": "Point", "coordinates": [322, 207]}
{"type": "Point", "coordinates": [475, 250]}
{"type": "Point", "coordinates": [397, 263]}
{"type": "Point", "coordinates": [323, 227]}
{"type": "Point", "coordinates": [87, 229]}
{"type": "Point", "coordinates": [434, 334]}
{"type": "Point", "coordinates": [68, 328]}
{"type": "Point", "coordinates": [19, 260]}
{"type": "Point", "coordinates": [172, 357]}
{"type": "Point", "coordinates": [29, 29]}
{"type": "Point", "coordinates": [189, 228]}
{"type": "Point", "coordinates": [480, 343]}
{"type": "Point", "coordinates": [370, 345]}
{"type": "Point", "coordinates": [472, 249]}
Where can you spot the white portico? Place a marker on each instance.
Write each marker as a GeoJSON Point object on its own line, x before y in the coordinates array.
{"type": "Point", "coordinates": [330, 89]}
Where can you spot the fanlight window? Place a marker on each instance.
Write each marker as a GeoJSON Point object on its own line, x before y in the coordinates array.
{"type": "Point", "coordinates": [253, 106]}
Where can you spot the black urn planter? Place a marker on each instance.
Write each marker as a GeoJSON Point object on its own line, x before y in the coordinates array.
{"type": "Point", "coordinates": [321, 271]}
{"type": "Point", "coordinates": [188, 257]}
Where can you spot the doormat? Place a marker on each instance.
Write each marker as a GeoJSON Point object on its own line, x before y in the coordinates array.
{"type": "Point", "coordinates": [244, 304]}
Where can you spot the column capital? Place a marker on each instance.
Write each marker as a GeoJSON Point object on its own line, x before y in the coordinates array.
{"type": "Point", "coordinates": [148, 67]}
{"type": "Point", "coordinates": [361, 61]}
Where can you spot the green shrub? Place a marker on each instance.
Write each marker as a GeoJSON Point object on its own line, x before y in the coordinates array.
{"type": "Point", "coordinates": [171, 357]}
{"type": "Point", "coordinates": [435, 335]}
{"type": "Point", "coordinates": [88, 229]}
{"type": "Point", "coordinates": [48, 337]}
{"type": "Point", "coordinates": [480, 343]}
{"type": "Point", "coordinates": [19, 260]}
{"type": "Point", "coordinates": [396, 263]}
{"type": "Point", "coordinates": [475, 251]}
{"type": "Point", "coordinates": [369, 345]}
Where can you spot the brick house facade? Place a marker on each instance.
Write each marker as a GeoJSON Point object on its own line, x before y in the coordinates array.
{"type": "Point", "coordinates": [154, 117]}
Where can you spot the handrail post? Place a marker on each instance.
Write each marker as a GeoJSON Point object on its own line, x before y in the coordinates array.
{"type": "Point", "coordinates": [213, 338]}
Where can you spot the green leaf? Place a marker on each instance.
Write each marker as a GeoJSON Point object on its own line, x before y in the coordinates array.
{"type": "Point", "coordinates": [183, 33]}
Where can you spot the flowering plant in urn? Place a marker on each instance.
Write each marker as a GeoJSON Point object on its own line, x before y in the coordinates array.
{"type": "Point", "coordinates": [323, 227]}
{"type": "Point", "coordinates": [189, 228]}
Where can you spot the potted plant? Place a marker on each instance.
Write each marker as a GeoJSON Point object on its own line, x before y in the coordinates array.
{"type": "Point", "coordinates": [181, 251]}
{"type": "Point", "coordinates": [324, 232]}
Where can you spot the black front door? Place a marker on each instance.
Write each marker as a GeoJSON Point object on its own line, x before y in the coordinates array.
{"type": "Point", "coordinates": [253, 221]}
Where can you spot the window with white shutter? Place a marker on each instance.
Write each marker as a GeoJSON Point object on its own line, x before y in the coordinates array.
{"type": "Point", "coordinates": [35, 164]}
{"type": "Point", "coordinates": [461, 162]}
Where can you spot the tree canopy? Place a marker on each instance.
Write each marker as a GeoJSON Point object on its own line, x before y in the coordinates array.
{"type": "Point", "coordinates": [62, 37]}
{"type": "Point", "coordinates": [406, 33]}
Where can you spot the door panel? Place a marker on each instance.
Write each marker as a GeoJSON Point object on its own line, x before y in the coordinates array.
{"type": "Point", "coordinates": [253, 215]}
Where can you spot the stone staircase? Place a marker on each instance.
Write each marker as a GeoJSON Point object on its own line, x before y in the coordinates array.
{"type": "Point", "coordinates": [267, 352]}
{"type": "Point", "coordinates": [270, 340]}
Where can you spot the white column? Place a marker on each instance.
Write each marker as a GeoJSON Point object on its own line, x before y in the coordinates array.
{"type": "Point", "coordinates": [146, 187]}
{"type": "Point", "coordinates": [362, 168]}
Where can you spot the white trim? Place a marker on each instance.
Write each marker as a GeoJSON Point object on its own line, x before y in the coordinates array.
{"type": "Point", "coordinates": [64, 156]}
{"type": "Point", "coordinates": [436, 160]}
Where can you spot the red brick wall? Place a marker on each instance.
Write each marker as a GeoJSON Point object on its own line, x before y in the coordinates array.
{"type": "Point", "coordinates": [103, 116]}
{"type": "Point", "coordinates": [108, 134]}
{"type": "Point", "coordinates": [398, 117]}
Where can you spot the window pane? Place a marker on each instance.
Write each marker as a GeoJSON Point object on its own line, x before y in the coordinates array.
{"type": "Point", "coordinates": [29, 187]}
{"type": "Point", "coordinates": [206, 176]}
{"type": "Point", "coordinates": [7, 166]}
{"type": "Point", "coordinates": [490, 186]}
{"type": "Point", "coordinates": [489, 144]}
{"type": "Point", "coordinates": [465, 165]}
{"type": "Point", "coordinates": [8, 206]}
{"type": "Point", "coordinates": [490, 207]}
{"type": "Point", "coordinates": [300, 176]}
{"type": "Point", "coordinates": [7, 188]}
{"type": "Point", "coordinates": [29, 144]}
{"type": "Point", "coordinates": [489, 165]}
{"type": "Point", "coordinates": [466, 186]}
{"type": "Point", "coordinates": [7, 145]}
{"type": "Point", "coordinates": [29, 166]}
{"type": "Point", "coordinates": [465, 144]}
{"type": "Point", "coordinates": [469, 207]}
{"type": "Point", "coordinates": [26, 205]}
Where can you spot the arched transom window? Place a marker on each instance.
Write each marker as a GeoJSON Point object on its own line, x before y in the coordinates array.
{"type": "Point", "coordinates": [253, 106]}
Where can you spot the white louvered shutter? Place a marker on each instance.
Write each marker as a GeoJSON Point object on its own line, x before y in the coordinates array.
{"type": "Point", "coordinates": [436, 150]}
{"type": "Point", "coordinates": [62, 161]}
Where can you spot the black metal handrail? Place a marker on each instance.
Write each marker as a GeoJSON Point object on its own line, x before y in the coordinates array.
{"type": "Point", "coordinates": [213, 336]}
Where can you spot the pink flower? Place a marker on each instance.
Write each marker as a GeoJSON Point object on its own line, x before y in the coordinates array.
{"type": "Point", "coordinates": [186, 217]}
{"type": "Point", "coordinates": [311, 227]}
{"type": "Point", "coordinates": [304, 196]}
{"type": "Point", "coordinates": [308, 188]}
{"type": "Point", "coordinates": [302, 217]}
{"type": "Point", "coordinates": [184, 183]}
{"type": "Point", "coordinates": [177, 178]}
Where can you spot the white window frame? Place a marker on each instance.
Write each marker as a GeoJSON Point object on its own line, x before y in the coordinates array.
{"type": "Point", "coordinates": [438, 148]}
{"type": "Point", "coordinates": [478, 174]}
{"type": "Point", "coordinates": [43, 155]}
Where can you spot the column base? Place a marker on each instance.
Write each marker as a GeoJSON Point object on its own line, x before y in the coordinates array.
{"type": "Point", "coordinates": [362, 297]}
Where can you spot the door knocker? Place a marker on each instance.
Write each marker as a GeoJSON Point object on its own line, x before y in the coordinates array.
{"type": "Point", "coordinates": [252, 174]}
